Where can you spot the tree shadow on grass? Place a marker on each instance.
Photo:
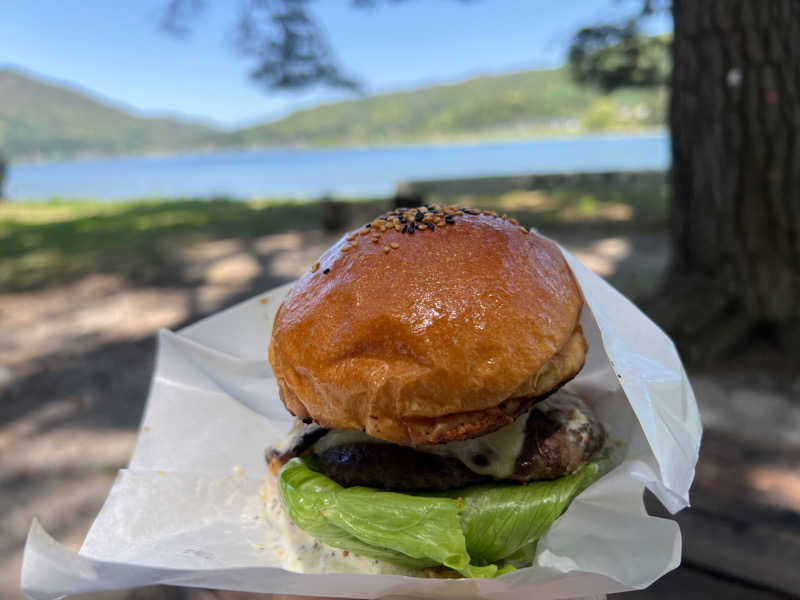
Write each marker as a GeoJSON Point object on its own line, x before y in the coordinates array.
{"type": "Point", "coordinates": [139, 242]}
{"type": "Point", "coordinates": [615, 203]}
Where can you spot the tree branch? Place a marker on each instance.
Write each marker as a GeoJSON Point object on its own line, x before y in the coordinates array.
{"type": "Point", "coordinates": [290, 50]}
{"type": "Point", "coordinates": [178, 16]}
{"type": "Point", "coordinates": [612, 55]}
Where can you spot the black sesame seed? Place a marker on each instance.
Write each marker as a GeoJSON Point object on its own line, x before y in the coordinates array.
{"type": "Point", "coordinates": [326, 271]}
{"type": "Point", "coordinates": [431, 226]}
{"type": "Point", "coordinates": [411, 228]}
{"type": "Point", "coordinates": [449, 219]}
{"type": "Point", "coordinates": [369, 225]}
{"type": "Point", "coordinates": [419, 217]}
{"type": "Point", "coordinates": [405, 228]}
{"type": "Point", "coordinates": [403, 219]}
{"type": "Point", "coordinates": [308, 420]}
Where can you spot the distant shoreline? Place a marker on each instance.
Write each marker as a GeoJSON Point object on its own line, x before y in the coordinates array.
{"type": "Point", "coordinates": [421, 143]}
{"type": "Point", "coordinates": [356, 171]}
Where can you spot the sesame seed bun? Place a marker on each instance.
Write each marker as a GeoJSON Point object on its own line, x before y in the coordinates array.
{"type": "Point", "coordinates": [442, 334]}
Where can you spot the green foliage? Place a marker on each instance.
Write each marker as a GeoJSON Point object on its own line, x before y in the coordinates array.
{"type": "Point", "coordinates": [601, 115]}
{"type": "Point", "coordinates": [545, 102]}
{"type": "Point", "coordinates": [611, 59]}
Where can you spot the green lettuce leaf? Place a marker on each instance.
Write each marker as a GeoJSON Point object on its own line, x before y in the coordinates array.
{"type": "Point", "coordinates": [305, 493]}
{"type": "Point", "coordinates": [469, 530]}
{"type": "Point", "coordinates": [407, 531]}
{"type": "Point", "coordinates": [499, 520]}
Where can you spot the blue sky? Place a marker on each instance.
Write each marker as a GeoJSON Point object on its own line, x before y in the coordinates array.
{"type": "Point", "coordinates": [114, 49]}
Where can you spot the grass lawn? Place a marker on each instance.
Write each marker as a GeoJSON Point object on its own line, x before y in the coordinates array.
{"type": "Point", "coordinates": [641, 203]}
{"type": "Point", "coordinates": [55, 242]}
{"type": "Point", "coordinates": [50, 243]}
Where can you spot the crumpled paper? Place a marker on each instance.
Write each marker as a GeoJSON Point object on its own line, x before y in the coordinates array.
{"type": "Point", "coordinates": [185, 511]}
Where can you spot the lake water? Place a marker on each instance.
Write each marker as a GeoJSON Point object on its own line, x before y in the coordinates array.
{"type": "Point", "coordinates": [309, 173]}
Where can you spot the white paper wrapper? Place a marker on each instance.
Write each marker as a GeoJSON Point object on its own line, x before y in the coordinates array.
{"type": "Point", "coordinates": [183, 513]}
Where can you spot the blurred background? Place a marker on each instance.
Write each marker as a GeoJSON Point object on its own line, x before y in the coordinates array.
{"type": "Point", "coordinates": [167, 158]}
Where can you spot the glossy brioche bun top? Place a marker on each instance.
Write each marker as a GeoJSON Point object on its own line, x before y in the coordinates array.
{"type": "Point", "coordinates": [448, 335]}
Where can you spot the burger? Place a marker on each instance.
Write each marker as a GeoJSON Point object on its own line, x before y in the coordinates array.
{"type": "Point", "coordinates": [422, 358]}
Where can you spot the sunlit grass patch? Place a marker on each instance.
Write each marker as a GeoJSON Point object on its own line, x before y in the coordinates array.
{"type": "Point", "coordinates": [640, 204]}
{"type": "Point", "coordinates": [150, 240]}
{"type": "Point", "coordinates": [54, 242]}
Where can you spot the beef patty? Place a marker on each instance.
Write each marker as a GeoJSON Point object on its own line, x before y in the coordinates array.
{"type": "Point", "coordinates": [560, 435]}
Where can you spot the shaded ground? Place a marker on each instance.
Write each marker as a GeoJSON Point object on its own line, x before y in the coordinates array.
{"type": "Point", "coordinates": [76, 355]}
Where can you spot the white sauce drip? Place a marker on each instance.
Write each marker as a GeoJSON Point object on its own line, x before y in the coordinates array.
{"type": "Point", "coordinates": [299, 551]}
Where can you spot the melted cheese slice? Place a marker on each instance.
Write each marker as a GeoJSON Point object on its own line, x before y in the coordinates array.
{"type": "Point", "coordinates": [493, 454]}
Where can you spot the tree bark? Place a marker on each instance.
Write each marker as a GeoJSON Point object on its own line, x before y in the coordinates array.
{"type": "Point", "coordinates": [735, 120]}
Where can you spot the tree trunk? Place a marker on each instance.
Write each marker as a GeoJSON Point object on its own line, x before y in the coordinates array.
{"type": "Point", "coordinates": [735, 120]}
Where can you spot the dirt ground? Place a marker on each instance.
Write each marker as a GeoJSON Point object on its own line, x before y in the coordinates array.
{"type": "Point", "coordinates": [75, 363]}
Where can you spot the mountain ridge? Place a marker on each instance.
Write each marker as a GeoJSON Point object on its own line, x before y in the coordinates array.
{"type": "Point", "coordinates": [42, 119]}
